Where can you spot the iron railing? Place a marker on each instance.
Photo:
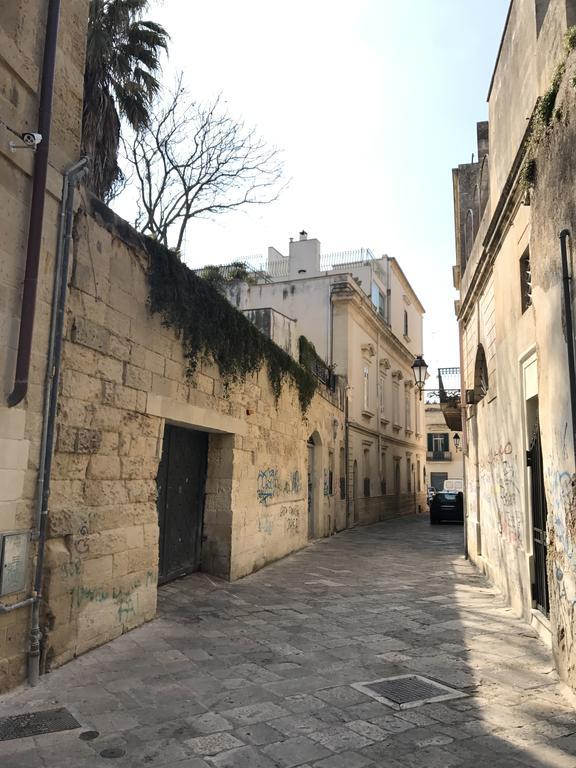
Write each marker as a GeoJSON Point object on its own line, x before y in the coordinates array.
{"type": "Point", "coordinates": [330, 261]}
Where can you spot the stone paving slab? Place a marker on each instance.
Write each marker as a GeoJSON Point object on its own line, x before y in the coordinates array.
{"type": "Point", "coordinates": [259, 673]}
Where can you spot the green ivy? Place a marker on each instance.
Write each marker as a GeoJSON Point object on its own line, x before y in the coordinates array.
{"type": "Point", "coordinates": [545, 111]}
{"type": "Point", "coordinates": [548, 100]}
{"type": "Point", "coordinates": [208, 325]}
{"type": "Point", "coordinates": [528, 174]}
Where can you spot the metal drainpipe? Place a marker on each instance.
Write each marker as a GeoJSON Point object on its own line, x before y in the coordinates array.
{"type": "Point", "coordinates": [28, 308]}
{"type": "Point", "coordinates": [71, 177]}
{"type": "Point", "coordinates": [464, 443]}
{"type": "Point", "coordinates": [566, 279]}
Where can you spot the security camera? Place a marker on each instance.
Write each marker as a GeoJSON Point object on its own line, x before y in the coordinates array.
{"type": "Point", "coordinates": [31, 139]}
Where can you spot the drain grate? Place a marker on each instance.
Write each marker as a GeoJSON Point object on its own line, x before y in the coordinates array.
{"type": "Point", "coordinates": [36, 723]}
{"type": "Point", "coordinates": [407, 691]}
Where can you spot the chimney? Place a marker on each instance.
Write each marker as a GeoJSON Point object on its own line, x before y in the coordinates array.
{"type": "Point", "coordinates": [304, 256]}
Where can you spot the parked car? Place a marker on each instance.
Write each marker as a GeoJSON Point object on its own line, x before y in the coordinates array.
{"type": "Point", "coordinates": [447, 505]}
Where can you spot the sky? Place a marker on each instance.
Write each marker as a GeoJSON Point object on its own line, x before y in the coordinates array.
{"type": "Point", "coordinates": [373, 102]}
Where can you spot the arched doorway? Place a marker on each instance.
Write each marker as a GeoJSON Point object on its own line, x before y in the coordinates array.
{"type": "Point", "coordinates": [314, 477]}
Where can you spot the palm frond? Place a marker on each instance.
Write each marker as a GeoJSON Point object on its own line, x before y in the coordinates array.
{"type": "Point", "coordinates": [122, 57]}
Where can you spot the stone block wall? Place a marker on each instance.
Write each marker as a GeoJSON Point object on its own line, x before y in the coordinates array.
{"type": "Point", "coordinates": [123, 379]}
{"type": "Point", "coordinates": [22, 27]}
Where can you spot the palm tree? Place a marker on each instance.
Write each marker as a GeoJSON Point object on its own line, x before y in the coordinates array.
{"type": "Point", "coordinates": [122, 59]}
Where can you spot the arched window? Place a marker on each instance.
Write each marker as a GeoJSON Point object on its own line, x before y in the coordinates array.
{"type": "Point", "coordinates": [483, 187]}
{"type": "Point", "coordinates": [481, 382]}
{"type": "Point", "coordinates": [468, 236]}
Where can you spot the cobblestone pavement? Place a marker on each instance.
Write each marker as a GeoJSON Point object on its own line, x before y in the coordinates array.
{"type": "Point", "coordinates": [259, 674]}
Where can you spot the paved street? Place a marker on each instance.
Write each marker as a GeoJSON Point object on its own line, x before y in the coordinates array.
{"type": "Point", "coordinates": [259, 674]}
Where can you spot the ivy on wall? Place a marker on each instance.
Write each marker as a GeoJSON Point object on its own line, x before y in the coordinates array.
{"type": "Point", "coordinates": [545, 111]}
{"type": "Point", "coordinates": [208, 325]}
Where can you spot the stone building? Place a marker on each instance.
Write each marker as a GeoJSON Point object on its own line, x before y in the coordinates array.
{"type": "Point", "coordinates": [365, 322]}
{"type": "Point", "coordinates": [121, 468]}
{"type": "Point", "coordinates": [515, 216]}
{"type": "Point", "coordinates": [23, 59]}
{"type": "Point", "coordinates": [443, 457]}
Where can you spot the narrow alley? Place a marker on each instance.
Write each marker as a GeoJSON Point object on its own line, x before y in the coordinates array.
{"type": "Point", "coordinates": [262, 673]}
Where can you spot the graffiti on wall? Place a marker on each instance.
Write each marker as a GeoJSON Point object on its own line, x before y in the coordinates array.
{"type": "Point", "coordinates": [499, 491]}
{"type": "Point", "coordinates": [288, 513]}
{"type": "Point", "coordinates": [561, 496]}
{"type": "Point", "coordinates": [270, 484]}
{"type": "Point", "coordinates": [291, 514]}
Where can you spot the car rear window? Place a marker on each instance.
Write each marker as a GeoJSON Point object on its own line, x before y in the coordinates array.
{"type": "Point", "coordinates": [449, 496]}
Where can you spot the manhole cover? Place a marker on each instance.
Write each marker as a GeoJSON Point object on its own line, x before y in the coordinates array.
{"type": "Point", "coordinates": [406, 691]}
{"type": "Point", "coordinates": [113, 752]}
{"type": "Point", "coordinates": [89, 735]}
{"type": "Point", "coordinates": [36, 723]}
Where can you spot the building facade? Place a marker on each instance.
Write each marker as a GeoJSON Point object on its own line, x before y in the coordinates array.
{"type": "Point", "coordinates": [443, 453]}
{"type": "Point", "coordinates": [365, 323]}
{"type": "Point", "coordinates": [131, 458]}
{"type": "Point", "coordinates": [515, 216]}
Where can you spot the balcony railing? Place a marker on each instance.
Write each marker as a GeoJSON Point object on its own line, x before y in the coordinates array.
{"type": "Point", "coordinates": [439, 455]}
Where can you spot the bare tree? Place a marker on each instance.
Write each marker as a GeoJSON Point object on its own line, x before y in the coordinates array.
{"type": "Point", "coordinates": [194, 160]}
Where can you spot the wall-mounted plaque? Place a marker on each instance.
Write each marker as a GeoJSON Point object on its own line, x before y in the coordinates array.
{"type": "Point", "coordinates": [13, 562]}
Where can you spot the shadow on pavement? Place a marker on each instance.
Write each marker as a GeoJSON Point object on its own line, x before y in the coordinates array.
{"type": "Point", "coordinates": [259, 673]}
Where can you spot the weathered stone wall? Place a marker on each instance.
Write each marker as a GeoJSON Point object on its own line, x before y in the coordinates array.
{"type": "Point", "coordinates": [22, 26]}
{"type": "Point", "coordinates": [528, 384]}
{"type": "Point", "coordinates": [123, 379]}
{"type": "Point", "coordinates": [553, 209]}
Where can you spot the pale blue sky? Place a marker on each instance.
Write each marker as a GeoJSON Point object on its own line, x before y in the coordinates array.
{"type": "Point", "coordinates": [373, 102]}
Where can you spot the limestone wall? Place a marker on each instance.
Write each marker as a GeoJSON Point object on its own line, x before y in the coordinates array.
{"type": "Point", "coordinates": [123, 380]}
{"type": "Point", "coordinates": [528, 383]}
{"type": "Point", "coordinates": [552, 211]}
{"type": "Point", "coordinates": [22, 26]}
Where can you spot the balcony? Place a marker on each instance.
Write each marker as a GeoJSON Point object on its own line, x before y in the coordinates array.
{"type": "Point", "coordinates": [438, 455]}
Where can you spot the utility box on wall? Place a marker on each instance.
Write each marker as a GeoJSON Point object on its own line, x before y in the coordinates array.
{"type": "Point", "coordinates": [13, 562]}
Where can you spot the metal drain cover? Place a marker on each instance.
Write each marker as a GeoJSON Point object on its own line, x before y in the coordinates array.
{"type": "Point", "coordinates": [407, 691]}
{"type": "Point", "coordinates": [36, 723]}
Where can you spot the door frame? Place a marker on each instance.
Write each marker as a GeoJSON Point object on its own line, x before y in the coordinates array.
{"type": "Point", "coordinates": [171, 575]}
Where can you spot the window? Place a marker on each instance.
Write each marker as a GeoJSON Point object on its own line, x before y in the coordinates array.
{"type": "Point", "coordinates": [366, 472]}
{"type": "Point", "coordinates": [525, 280]}
{"type": "Point", "coordinates": [418, 483]}
{"type": "Point", "coordinates": [407, 410]}
{"type": "Point", "coordinates": [330, 473]}
{"type": "Point", "coordinates": [408, 475]}
{"type": "Point", "coordinates": [481, 382]}
{"type": "Point", "coordinates": [366, 375]}
{"type": "Point", "coordinates": [381, 305]}
{"type": "Point", "coordinates": [396, 403]}
{"type": "Point", "coordinates": [382, 395]}
{"type": "Point", "coordinates": [383, 489]}
{"type": "Point", "coordinates": [405, 322]}
{"type": "Point", "coordinates": [438, 445]}
{"type": "Point", "coordinates": [379, 300]}
{"type": "Point", "coordinates": [342, 474]}
{"type": "Point", "coordinates": [397, 475]}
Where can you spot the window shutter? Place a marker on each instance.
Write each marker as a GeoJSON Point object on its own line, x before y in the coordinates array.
{"type": "Point", "coordinates": [430, 442]}
{"type": "Point", "coordinates": [446, 446]}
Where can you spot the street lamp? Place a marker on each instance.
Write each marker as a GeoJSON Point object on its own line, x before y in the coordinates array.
{"type": "Point", "coordinates": [420, 368]}
{"type": "Point", "coordinates": [456, 439]}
